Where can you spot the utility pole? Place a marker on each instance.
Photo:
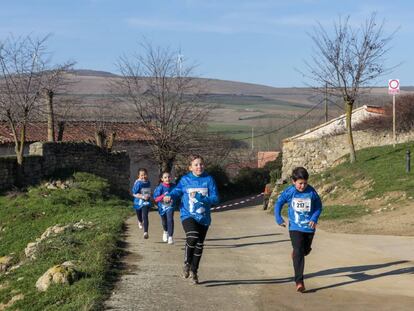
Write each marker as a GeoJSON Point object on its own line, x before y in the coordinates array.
{"type": "Point", "coordinates": [326, 102]}
{"type": "Point", "coordinates": [393, 121]}
{"type": "Point", "coordinates": [252, 138]}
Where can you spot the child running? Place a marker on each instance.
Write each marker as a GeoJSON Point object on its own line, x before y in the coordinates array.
{"type": "Point", "coordinates": [304, 208]}
{"type": "Point", "coordinates": [198, 192]}
{"type": "Point", "coordinates": [166, 210]}
{"type": "Point", "coordinates": [141, 192]}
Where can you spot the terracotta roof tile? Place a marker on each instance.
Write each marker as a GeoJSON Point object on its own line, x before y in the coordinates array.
{"type": "Point", "coordinates": [77, 131]}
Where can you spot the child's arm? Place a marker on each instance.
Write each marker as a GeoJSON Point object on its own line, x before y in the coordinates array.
{"type": "Point", "coordinates": [158, 195]}
{"type": "Point", "coordinates": [317, 212]}
{"type": "Point", "coordinates": [175, 194]}
{"type": "Point", "coordinates": [213, 197]}
{"type": "Point", "coordinates": [278, 209]}
{"type": "Point", "coordinates": [136, 189]}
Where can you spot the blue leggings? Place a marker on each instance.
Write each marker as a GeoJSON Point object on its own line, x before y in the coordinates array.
{"type": "Point", "coordinates": [168, 222]}
{"type": "Point", "coordinates": [142, 215]}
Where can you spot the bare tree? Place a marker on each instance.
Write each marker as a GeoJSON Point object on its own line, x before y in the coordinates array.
{"type": "Point", "coordinates": [21, 71]}
{"type": "Point", "coordinates": [54, 80]}
{"type": "Point", "coordinates": [166, 100]}
{"type": "Point", "coordinates": [349, 59]}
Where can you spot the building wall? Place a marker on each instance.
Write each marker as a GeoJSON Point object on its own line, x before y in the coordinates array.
{"type": "Point", "coordinates": [317, 155]}
{"type": "Point", "coordinates": [45, 159]}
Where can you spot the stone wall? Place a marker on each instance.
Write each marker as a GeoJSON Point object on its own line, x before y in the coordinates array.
{"type": "Point", "coordinates": [47, 159]}
{"type": "Point", "coordinates": [317, 155]}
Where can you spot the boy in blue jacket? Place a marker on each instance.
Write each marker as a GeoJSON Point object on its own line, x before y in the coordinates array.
{"type": "Point", "coordinates": [141, 191]}
{"type": "Point", "coordinates": [198, 192]}
{"type": "Point", "coordinates": [304, 208]}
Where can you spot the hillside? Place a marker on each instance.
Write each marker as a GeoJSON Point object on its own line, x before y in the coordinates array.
{"type": "Point", "coordinates": [239, 106]}
{"type": "Point", "coordinates": [373, 196]}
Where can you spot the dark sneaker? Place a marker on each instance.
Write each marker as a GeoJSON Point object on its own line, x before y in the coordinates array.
{"type": "Point", "coordinates": [300, 287]}
{"type": "Point", "coordinates": [186, 270]}
{"type": "Point", "coordinates": [194, 277]}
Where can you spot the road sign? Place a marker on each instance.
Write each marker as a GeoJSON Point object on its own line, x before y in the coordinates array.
{"type": "Point", "coordinates": [393, 86]}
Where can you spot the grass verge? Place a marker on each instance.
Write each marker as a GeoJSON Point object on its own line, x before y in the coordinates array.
{"type": "Point", "coordinates": [24, 217]}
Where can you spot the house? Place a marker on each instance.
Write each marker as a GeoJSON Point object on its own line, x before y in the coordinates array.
{"type": "Point", "coordinates": [325, 145]}
{"type": "Point", "coordinates": [266, 156]}
{"type": "Point", "coordinates": [129, 137]}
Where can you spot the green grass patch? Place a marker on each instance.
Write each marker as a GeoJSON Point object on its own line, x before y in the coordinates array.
{"type": "Point", "coordinates": [341, 212]}
{"type": "Point", "coordinates": [24, 217]}
{"type": "Point", "coordinates": [383, 166]}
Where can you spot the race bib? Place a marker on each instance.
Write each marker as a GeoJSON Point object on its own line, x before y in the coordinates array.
{"type": "Point", "coordinates": [301, 204]}
{"type": "Point", "coordinates": [194, 205]}
{"type": "Point", "coordinates": [146, 191]}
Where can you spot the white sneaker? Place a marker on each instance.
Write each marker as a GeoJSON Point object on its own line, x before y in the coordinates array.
{"type": "Point", "coordinates": [146, 235]}
{"type": "Point", "coordinates": [165, 236]}
{"type": "Point", "coordinates": [139, 225]}
{"type": "Point", "coordinates": [170, 240]}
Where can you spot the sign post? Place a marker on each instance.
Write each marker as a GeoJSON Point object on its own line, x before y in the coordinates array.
{"type": "Point", "coordinates": [393, 88]}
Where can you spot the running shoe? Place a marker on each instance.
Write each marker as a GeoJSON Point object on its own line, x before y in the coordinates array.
{"type": "Point", "coordinates": [146, 235]}
{"type": "Point", "coordinates": [186, 270]}
{"type": "Point", "coordinates": [165, 236]}
{"type": "Point", "coordinates": [139, 225]}
{"type": "Point", "coordinates": [194, 277]}
{"type": "Point", "coordinates": [170, 240]}
{"type": "Point", "coordinates": [300, 287]}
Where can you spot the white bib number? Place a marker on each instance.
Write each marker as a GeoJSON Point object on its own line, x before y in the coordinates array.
{"type": "Point", "coordinates": [301, 204]}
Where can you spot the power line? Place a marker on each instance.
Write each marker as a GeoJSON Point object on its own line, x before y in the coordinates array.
{"type": "Point", "coordinates": [286, 125]}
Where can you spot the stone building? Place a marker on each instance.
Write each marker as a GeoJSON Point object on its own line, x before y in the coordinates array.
{"type": "Point", "coordinates": [323, 146]}
{"type": "Point", "coordinates": [129, 137]}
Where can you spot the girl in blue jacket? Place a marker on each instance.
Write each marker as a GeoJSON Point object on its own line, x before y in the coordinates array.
{"type": "Point", "coordinates": [198, 192]}
{"type": "Point", "coordinates": [141, 191]}
{"type": "Point", "coordinates": [166, 211]}
{"type": "Point", "coordinates": [304, 208]}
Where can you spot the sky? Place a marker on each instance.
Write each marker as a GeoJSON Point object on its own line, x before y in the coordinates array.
{"type": "Point", "coordinates": [256, 41]}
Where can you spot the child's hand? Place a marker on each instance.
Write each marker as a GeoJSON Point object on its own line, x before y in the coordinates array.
{"type": "Point", "coordinates": [283, 224]}
{"type": "Point", "coordinates": [312, 224]}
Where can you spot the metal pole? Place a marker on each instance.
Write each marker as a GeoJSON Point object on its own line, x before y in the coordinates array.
{"type": "Point", "coordinates": [326, 102]}
{"type": "Point", "coordinates": [393, 120]}
{"type": "Point", "coordinates": [407, 161]}
{"type": "Point", "coordinates": [252, 138]}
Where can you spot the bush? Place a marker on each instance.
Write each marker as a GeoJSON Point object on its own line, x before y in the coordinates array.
{"type": "Point", "coordinates": [251, 180]}
{"type": "Point", "coordinates": [404, 115]}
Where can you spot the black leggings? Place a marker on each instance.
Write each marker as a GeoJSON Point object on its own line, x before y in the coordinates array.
{"type": "Point", "coordinates": [301, 243]}
{"type": "Point", "coordinates": [142, 215]}
{"type": "Point", "coordinates": [195, 235]}
{"type": "Point", "coordinates": [167, 221]}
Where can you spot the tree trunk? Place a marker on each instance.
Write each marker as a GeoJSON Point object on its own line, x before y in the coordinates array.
{"type": "Point", "coordinates": [111, 141]}
{"type": "Point", "coordinates": [166, 165]}
{"type": "Point", "coordinates": [61, 129]}
{"type": "Point", "coordinates": [100, 138]}
{"type": "Point", "coordinates": [348, 107]}
{"type": "Point", "coordinates": [50, 117]}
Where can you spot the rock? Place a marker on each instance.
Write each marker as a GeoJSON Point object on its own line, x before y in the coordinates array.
{"type": "Point", "coordinates": [64, 273]}
{"type": "Point", "coordinates": [51, 187]}
{"type": "Point", "coordinates": [56, 229]}
{"type": "Point", "coordinates": [5, 263]}
{"type": "Point", "coordinates": [30, 250]}
{"type": "Point", "coordinates": [11, 302]}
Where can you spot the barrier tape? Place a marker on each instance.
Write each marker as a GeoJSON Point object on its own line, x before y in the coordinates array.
{"type": "Point", "coordinates": [236, 203]}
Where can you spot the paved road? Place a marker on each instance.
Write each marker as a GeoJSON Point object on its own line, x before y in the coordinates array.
{"type": "Point", "coordinates": [246, 266]}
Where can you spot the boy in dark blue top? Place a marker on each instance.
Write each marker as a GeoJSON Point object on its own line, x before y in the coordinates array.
{"type": "Point", "coordinates": [198, 192]}
{"type": "Point", "coordinates": [141, 191]}
{"type": "Point", "coordinates": [166, 211]}
{"type": "Point", "coordinates": [304, 208]}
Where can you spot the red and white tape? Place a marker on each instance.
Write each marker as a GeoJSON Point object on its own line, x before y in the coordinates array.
{"type": "Point", "coordinates": [245, 200]}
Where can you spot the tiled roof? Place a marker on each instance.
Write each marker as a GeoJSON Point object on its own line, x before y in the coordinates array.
{"type": "Point", "coordinates": [77, 131]}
